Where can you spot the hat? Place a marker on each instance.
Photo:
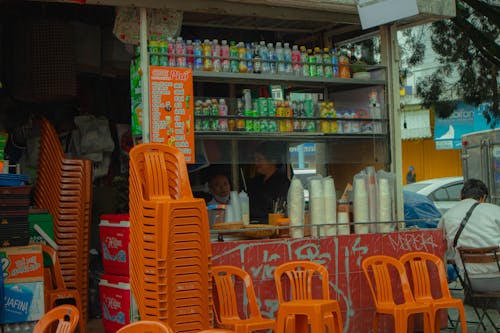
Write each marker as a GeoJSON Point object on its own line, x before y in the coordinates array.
{"type": "Point", "coordinates": [411, 168]}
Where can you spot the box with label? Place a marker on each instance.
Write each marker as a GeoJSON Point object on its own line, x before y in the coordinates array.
{"type": "Point", "coordinates": [114, 233]}
{"type": "Point", "coordinates": [22, 270]}
{"type": "Point", "coordinates": [116, 302]}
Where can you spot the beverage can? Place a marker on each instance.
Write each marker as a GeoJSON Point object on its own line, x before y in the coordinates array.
{"type": "Point", "coordinates": [262, 107]}
{"type": "Point", "coordinates": [154, 48]}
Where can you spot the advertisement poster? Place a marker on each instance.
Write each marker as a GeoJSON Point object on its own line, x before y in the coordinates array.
{"type": "Point", "coordinates": [171, 105]}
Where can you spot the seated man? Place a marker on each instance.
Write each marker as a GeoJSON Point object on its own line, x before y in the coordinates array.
{"type": "Point", "coordinates": [482, 229]}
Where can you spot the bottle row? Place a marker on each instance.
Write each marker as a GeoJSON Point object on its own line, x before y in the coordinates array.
{"type": "Point", "coordinates": [254, 57]}
{"type": "Point", "coordinates": [270, 115]}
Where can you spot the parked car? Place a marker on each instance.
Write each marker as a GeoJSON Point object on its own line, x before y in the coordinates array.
{"type": "Point", "coordinates": [444, 192]}
{"type": "Point", "coordinates": [420, 211]}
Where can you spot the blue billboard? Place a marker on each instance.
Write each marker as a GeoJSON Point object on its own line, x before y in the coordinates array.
{"type": "Point", "coordinates": [465, 119]}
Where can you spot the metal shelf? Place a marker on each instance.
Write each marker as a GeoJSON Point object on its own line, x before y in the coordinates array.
{"type": "Point", "coordinates": [335, 84]}
{"type": "Point", "coordinates": [287, 136]}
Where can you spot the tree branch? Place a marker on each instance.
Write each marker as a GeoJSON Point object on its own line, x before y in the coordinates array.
{"type": "Point", "coordinates": [487, 10]}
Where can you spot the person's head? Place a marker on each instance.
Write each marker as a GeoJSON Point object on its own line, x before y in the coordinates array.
{"type": "Point", "coordinates": [267, 159]}
{"type": "Point", "coordinates": [474, 189]}
{"type": "Point", "coordinates": [411, 169]}
{"type": "Point", "coordinates": [220, 187]}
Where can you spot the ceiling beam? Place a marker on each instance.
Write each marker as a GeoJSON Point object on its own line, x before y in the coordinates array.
{"type": "Point", "coordinates": [243, 27]}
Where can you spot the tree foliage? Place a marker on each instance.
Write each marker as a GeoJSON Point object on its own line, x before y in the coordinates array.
{"type": "Point", "coordinates": [467, 47]}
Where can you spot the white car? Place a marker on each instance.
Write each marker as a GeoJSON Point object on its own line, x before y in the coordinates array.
{"type": "Point", "coordinates": [444, 192]}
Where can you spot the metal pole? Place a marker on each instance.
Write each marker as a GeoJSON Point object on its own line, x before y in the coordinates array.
{"type": "Point", "coordinates": [144, 75]}
{"type": "Point", "coordinates": [390, 58]}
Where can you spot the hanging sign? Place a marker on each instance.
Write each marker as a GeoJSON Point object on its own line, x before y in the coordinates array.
{"type": "Point", "coordinates": [171, 108]}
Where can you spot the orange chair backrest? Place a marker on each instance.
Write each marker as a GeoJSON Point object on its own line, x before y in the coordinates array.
{"type": "Point", "coordinates": [225, 278]}
{"type": "Point", "coordinates": [300, 275]}
{"type": "Point", "coordinates": [161, 170]}
{"type": "Point", "coordinates": [417, 264]}
{"type": "Point", "coordinates": [146, 326]}
{"type": "Point", "coordinates": [377, 272]}
{"type": "Point", "coordinates": [55, 269]}
{"type": "Point", "coordinates": [66, 315]}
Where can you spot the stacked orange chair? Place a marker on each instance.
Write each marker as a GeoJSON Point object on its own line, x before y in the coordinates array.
{"type": "Point", "coordinates": [145, 326]}
{"type": "Point", "coordinates": [418, 264]}
{"type": "Point", "coordinates": [170, 248]}
{"type": "Point", "coordinates": [65, 316]}
{"type": "Point", "coordinates": [64, 187]}
{"type": "Point", "coordinates": [378, 271]}
{"type": "Point", "coordinates": [226, 313]}
{"type": "Point", "coordinates": [297, 307]}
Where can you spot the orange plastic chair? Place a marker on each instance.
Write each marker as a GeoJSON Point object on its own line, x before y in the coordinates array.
{"type": "Point", "coordinates": [377, 272]}
{"type": "Point", "coordinates": [293, 313]}
{"type": "Point", "coordinates": [226, 314]}
{"type": "Point", "coordinates": [65, 315]}
{"type": "Point", "coordinates": [146, 326]}
{"type": "Point", "coordinates": [56, 289]}
{"type": "Point", "coordinates": [417, 264]}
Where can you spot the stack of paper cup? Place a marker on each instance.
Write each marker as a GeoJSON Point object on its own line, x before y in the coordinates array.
{"type": "Point", "coordinates": [316, 204]}
{"type": "Point", "coordinates": [330, 205]}
{"type": "Point", "coordinates": [371, 185]}
{"type": "Point", "coordinates": [361, 209]}
{"type": "Point", "coordinates": [384, 205]}
{"type": "Point", "coordinates": [295, 208]}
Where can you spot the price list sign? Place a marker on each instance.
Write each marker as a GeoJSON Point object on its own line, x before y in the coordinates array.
{"type": "Point", "coordinates": [171, 108]}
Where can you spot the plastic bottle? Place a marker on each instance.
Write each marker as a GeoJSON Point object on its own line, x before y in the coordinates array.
{"type": "Point", "coordinates": [233, 54]}
{"type": "Point", "coordinates": [273, 58]}
{"type": "Point", "coordinates": [249, 57]}
{"type": "Point", "coordinates": [257, 60]}
{"type": "Point", "coordinates": [154, 48]}
{"type": "Point", "coordinates": [216, 54]}
{"type": "Point", "coordinates": [223, 111]}
{"type": "Point", "coordinates": [264, 55]}
{"type": "Point", "coordinates": [163, 49]}
{"type": "Point", "coordinates": [190, 53]}
{"type": "Point", "coordinates": [311, 59]}
{"type": "Point", "coordinates": [335, 63]}
{"type": "Point", "coordinates": [224, 50]}
{"type": "Point", "coordinates": [319, 62]}
{"type": "Point", "coordinates": [180, 50]}
{"type": "Point", "coordinates": [344, 71]}
{"type": "Point", "coordinates": [207, 56]}
{"type": "Point", "coordinates": [296, 65]}
{"type": "Point", "coordinates": [327, 62]}
{"type": "Point", "coordinates": [280, 58]}
{"type": "Point", "coordinates": [198, 55]}
{"type": "Point", "coordinates": [304, 61]}
{"type": "Point", "coordinates": [171, 52]}
{"type": "Point", "coordinates": [287, 54]}
{"type": "Point", "coordinates": [242, 64]}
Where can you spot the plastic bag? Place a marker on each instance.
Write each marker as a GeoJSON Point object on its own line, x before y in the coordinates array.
{"type": "Point", "coordinates": [95, 136]}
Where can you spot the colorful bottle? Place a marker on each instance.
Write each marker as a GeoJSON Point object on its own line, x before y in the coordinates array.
{"type": "Point", "coordinates": [223, 111]}
{"type": "Point", "coordinates": [249, 57]}
{"type": "Point", "coordinates": [344, 71]}
{"type": "Point", "coordinates": [163, 49]}
{"type": "Point", "coordinates": [335, 63]}
{"type": "Point", "coordinates": [242, 52]}
{"type": "Point", "coordinates": [154, 49]}
{"type": "Point", "coordinates": [171, 52]}
{"type": "Point", "coordinates": [304, 61]}
{"type": "Point", "coordinates": [180, 51]}
{"type": "Point", "coordinates": [233, 55]}
{"type": "Point", "coordinates": [311, 59]}
{"type": "Point", "coordinates": [190, 53]}
{"type": "Point", "coordinates": [287, 55]}
{"type": "Point", "coordinates": [224, 49]}
{"type": "Point", "coordinates": [273, 58]}
{"type": "Point", "coordinates": [198, 55]}
{"type": "Point", "coordinates": [216, 54]}
{"type": "Point", "coordinates": [296, 65]}
{"type": "Point", "coordinates": [327, 63]}
{"type": "Point", "coordinates": [264, 56]}
{"type": "Point", "coordinates": [257, 61]}
{"type": "Point", "coordinates": [319, 62]}
{"type": "Point", "coordinates": [207, 56]}
{"type": "Point", "coordinates": [280, 58]}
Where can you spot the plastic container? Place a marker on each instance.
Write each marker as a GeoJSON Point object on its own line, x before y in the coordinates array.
{"type": "Point", "coordinates": [116, 304]}
{"type": "Point", "coordinates": [115, 238]}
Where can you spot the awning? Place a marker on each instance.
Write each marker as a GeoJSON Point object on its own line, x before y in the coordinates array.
{"type": "Point", "coordinates": [415, 122]}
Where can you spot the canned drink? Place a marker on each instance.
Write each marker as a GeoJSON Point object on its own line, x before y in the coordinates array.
{"type": "Point", "coordinates": [324, 126]}
{"type": "Point", "coordinates": [197, 124]}
{"type": "Point", "coordinates": [272, 126]}
{"type": "Point", "coordinates": [271, 107]}
{"type": "Point", "coordinates": [205, 124]}
{"type": "Point", "coordinates": [308, 108]}
{"type": "Point", "coordinates": [264, 127]}
{"type": "Point", "coordinates": [262, 107]}
{"type": "Point", "coordinates": [333, 126]}
{"type": "Point", "coordinates": [311, 126]}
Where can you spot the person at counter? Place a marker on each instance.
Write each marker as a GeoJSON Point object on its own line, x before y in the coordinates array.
{"type": "Point", "coordinates": [219, 187]}
{"type": "Point", "coordinates": [269, 188]}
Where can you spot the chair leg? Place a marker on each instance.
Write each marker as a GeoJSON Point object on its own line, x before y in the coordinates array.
{"type": "Point", "coordinates": [463, 321]}
{"type": "Point", "coordinates": [375, 323]}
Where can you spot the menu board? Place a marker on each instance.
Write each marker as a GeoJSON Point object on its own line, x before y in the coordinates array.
{"type": "Point", "coordinates": [171, 108]}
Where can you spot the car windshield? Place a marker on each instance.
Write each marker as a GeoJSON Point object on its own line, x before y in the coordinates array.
{"type": "Point", "coordinates": [415, 187]}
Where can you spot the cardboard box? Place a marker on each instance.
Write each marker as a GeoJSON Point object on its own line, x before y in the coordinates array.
{"type": "Point", "coordinates": [22, 271]}
{"type": "Point", "coordinates": [114, 232]}
{"type": "Point", "coordinates": [118, 308]}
